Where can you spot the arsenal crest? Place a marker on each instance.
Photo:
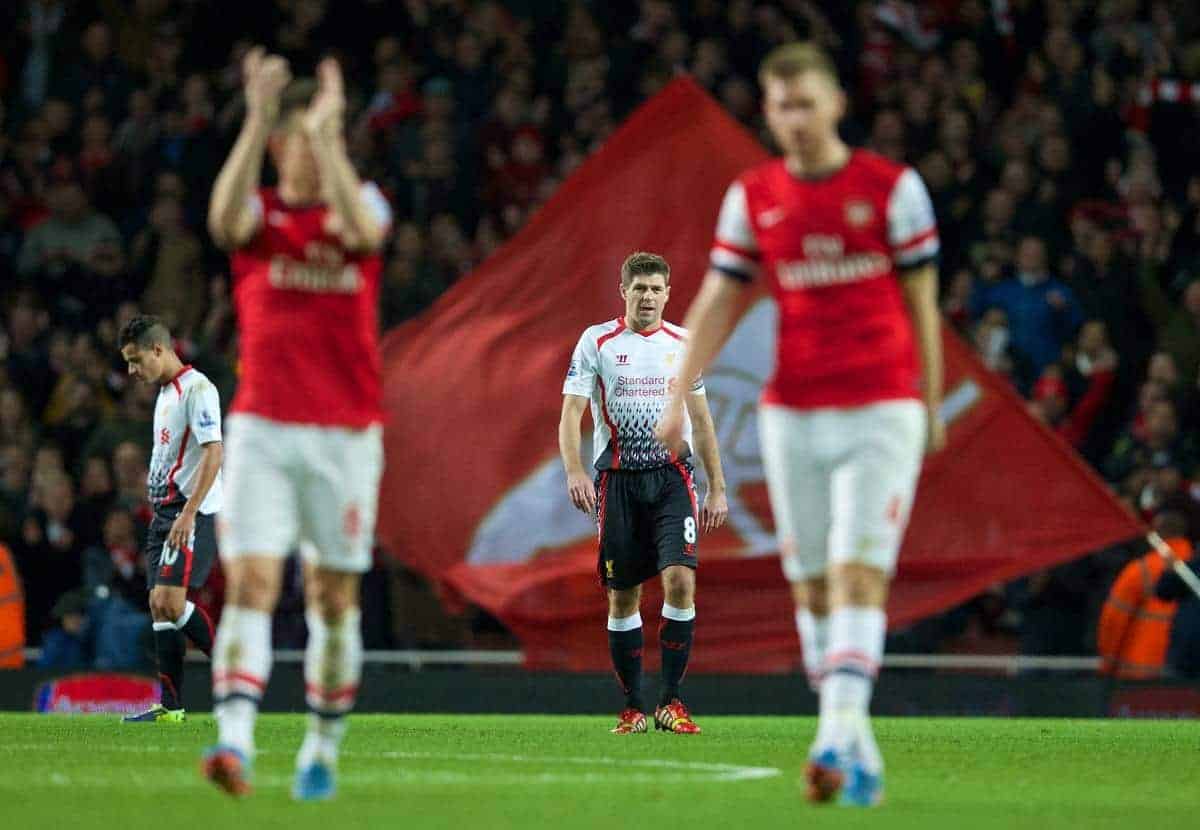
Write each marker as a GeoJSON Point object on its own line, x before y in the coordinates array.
{"type": "Point", "coordinates": [859, 213]}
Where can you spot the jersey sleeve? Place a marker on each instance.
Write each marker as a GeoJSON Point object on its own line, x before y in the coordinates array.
{"type": "Point", "coordinates": [203, 410]}
{"type": "Point", "coordinates": [581, 374]}
{"type": "Point", "coordinates": [912, 226]}
{"type": "Point", "coordinates": [377, 204]}
{"type": "Point", "coordinates": [735, 251]}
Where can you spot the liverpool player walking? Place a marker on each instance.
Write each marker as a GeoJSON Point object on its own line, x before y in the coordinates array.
{"type": "Point", "coordinates": [185, 489]}
{"type": "Point", "coordinates": [643, 494]}
{"type": "Point", "coordinates": [304, 434]}
{"type": "Point", "coordinates": [846, 241]}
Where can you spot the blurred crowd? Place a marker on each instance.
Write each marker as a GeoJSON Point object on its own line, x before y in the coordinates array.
{"type": "Point", "coordinates": [1060, 141]}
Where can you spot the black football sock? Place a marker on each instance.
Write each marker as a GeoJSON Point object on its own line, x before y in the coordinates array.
{"type": "Point", "coordinates": [675, 637]}
{"type": "Point", "coordinates": [626, 649]}
{"type": "Point", "coordinates": [198, 627]}
{"type": "Point", "coordinates": [169, 646]}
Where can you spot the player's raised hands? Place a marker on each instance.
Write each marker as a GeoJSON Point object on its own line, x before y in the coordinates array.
{"type": "Point", "coordinates": [264, 78]}
{"type": "Point", "coordinates": [325, 113]}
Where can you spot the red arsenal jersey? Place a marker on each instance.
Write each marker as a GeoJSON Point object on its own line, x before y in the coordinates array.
{"type": "Point", "coordinates": [831, 250]}
{"type": "Point", "coordinates": [308, 325]}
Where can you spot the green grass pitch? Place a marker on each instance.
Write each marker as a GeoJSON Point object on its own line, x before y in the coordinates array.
{"type": "Point", "coordinates": [482, 773]}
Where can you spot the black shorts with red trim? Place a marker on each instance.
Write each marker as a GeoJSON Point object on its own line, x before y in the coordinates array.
{"type": "Point", "coordinates": [648, 521]}
{"type": "Point", "coordinates": [186, 568]}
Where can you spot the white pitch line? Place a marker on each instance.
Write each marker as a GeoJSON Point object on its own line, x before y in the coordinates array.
{"type": "Point", "coordinates": [628, 770]}
{"type": "Point", "coordinates": [718, 772]}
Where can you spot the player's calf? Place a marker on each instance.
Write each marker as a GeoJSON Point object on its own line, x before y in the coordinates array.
{"type": "Point", "coordinates": [332, 670]}
{"type": "Point", "coordinates": [241, 666]}
{"type": "Point", "coordinates": [625, 648]}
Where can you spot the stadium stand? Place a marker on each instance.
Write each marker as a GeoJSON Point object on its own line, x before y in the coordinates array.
{"type": "Point", "coordinates": [1059, 141]}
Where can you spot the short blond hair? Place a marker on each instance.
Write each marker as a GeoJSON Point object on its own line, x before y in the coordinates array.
{"type": "Point", "coordinates": [643, 263]}
{"type": "Point", "coordinates": [794, 59]}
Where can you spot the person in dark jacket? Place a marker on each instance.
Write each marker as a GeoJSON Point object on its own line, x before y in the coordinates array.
{"type": "Point", "coordinates": [1183, 647]}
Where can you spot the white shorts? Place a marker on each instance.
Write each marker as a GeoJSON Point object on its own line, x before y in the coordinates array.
{"type": "Point", "coordinates": [300, 487]}
{"type": "Point", "coordinates": [841, 482]}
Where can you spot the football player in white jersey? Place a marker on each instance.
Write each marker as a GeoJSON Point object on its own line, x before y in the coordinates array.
{"type": "Point", "coordinates": [643, 494]}
{"type": "Point", "coordinates": [184, 487]}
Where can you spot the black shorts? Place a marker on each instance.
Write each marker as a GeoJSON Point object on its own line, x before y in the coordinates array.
{"type": "Point", "coordinates": [648, 522]}
{"type": "Point", "coordinates": [187, 568]}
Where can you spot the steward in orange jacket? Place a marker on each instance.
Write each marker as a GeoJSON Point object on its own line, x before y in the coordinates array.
{"type": "Point", "coordinates": [12, 613]}
{"type": "Point", "coordinates": [1135, 626]}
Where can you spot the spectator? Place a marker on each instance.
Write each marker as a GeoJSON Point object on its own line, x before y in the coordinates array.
{"type": "Point", "coordinates": [1178, 327]}
{"type": "Point", "coordinates": [1056, 608]}
{"type": "Point", "coordinates": [1042, 311]}
{"type": "Point", "coordinates": [16, 427]}
{"type": "Point", "coordinates": [1162, 447]}
{"type": "Point", "coordinates": [74, 256]}
{"type": "Point", "coordinates": [1162, 369]}
{"type": "Point", "coordinates": [27, 364]}
{"type": "Point", "coordinates": [129, 472]}
{"type": "Point", "coordinates": [96, 495]}
{"type": "Point", "coordinates": [1106, 286]}
{"type": "Point", "coordinates": [115, 579]}
{"type": "Point", "coordinates": [67, 645]}
{"type": "Point", "coordinates": [14, 489]}
{"type": "Point", "coordinates": [1052, 401]}
{"type": "Point", "coordinates": [50, 551]}
{"type": "Point", "coordinates": [167, 258]}
{"type": "Point", "coordinates": [95, 67]}
{"type": "Point", "coordinates": [12, 612]}
{"type": "Point", "coordinates": [1135, 624]}
{"type": "Point", "coordinates": [1183, 647]}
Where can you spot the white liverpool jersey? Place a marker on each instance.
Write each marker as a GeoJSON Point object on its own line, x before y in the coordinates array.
{"type": "Point", "coordinates": [186, 417]}
{"type": "Point", "coordinates": [629, 377]}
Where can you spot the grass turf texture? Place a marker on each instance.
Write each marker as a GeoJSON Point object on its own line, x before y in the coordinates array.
{"type": "Point", "coordinates": [480, 773]}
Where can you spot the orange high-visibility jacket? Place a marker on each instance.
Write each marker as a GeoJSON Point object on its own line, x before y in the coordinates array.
{"type": "Point", "coordinates": [12, 613]}
{"type": "Point", "coordinates": [1135, 626]}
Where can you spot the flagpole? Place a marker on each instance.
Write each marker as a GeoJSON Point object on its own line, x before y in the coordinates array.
{"type": "Point", "coordinates": [1180, 567]}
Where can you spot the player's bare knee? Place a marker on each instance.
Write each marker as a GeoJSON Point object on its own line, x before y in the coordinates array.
{"type": "Point", "coordinates": [812, 594]}
{"type": "Point", "coordinates": [679, 587]}
{"type": "Point", "coordinates": [624, 603]}
{"type": "Point", "coordinates": [160, 607]}
{"type": "Point", "coordinates": [856, 584]}
{"type": "Point", "coordinates": [331, 593]}
{"type": "Point", "coordinates": [173, 606]}
{"type": "Point", "coordinates": [332, 605]}
{"type": "Point", "coordinates": [254, 587]}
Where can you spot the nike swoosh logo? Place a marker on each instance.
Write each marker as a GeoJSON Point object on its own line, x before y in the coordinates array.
{"type": "Point", "coordinates": [772, 217]}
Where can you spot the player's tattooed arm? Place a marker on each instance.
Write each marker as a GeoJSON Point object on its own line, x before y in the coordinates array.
{"type": "Point", "coordinates": [231, 221]}
{"type": "Point", "coordinates": [704, 434]}
{"type": "Point", "coordinates": [920, 293]}
{"type": "Point", "coordinates": [579, 483]}
{"type": "Point", "coordinates": [709, 322]}
{"type": "Point", "coordinates": [355, 221]}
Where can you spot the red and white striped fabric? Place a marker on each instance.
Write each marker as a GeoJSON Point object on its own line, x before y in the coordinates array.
{"type": "Point", "coordinates": [1164, 91]}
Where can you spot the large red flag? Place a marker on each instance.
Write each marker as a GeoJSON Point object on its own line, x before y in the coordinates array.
{"type": "Point", "coordinates": [474, 493]}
